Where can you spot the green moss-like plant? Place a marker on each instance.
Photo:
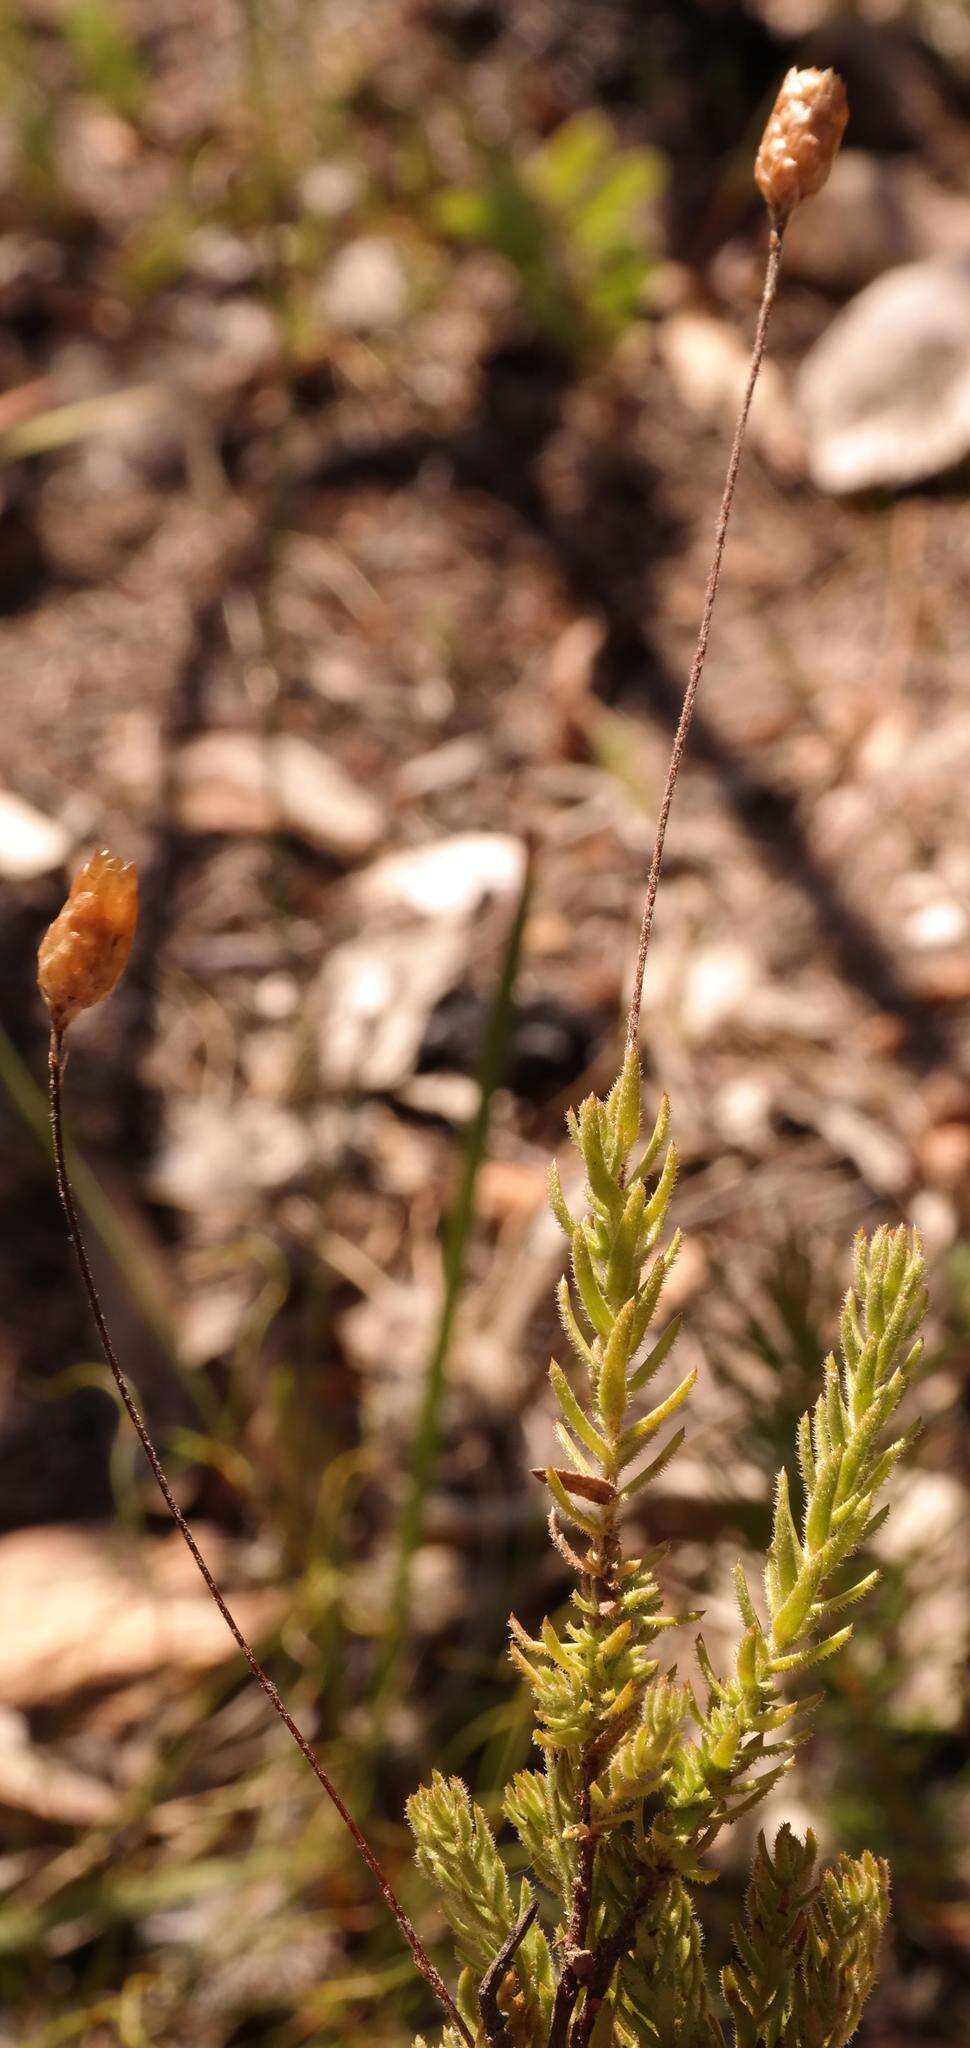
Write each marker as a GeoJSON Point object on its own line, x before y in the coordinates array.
{"type": "Point", "coordinates": [639, 1775]}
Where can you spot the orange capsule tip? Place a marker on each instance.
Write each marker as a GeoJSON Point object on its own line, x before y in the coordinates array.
{"type": "Point", "coordinates": [801, 140]}
{"type": "Point", "coordinates": [84, 952]}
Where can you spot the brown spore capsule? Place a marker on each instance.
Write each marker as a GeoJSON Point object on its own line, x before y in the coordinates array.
{"type": "Point", "coordinates": [83, 954]}
{"type": "Point", "coordinates": [801, 140]}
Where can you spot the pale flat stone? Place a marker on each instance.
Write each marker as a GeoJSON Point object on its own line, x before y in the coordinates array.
{"type": "Point", "coordinates": [215, 1155]}
{"type": "Point", "coordinates": [885, 392]}
{"type": "Point", "coordinates": [373, 1000]}
{"type": "Point", "coordinates": [447, 878]}
{"type": "Point", "coordinates": [873, 213]}
{"type": "Point", "coordinates": [241, 782]}
{"type": "Point", "coordinates": [366, 287]}
{"type": "Point", "coordinates": [30, 844]}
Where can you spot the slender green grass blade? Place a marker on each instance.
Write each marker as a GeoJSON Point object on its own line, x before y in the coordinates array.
{"type": "Point", "coordinates": [427, 1436]}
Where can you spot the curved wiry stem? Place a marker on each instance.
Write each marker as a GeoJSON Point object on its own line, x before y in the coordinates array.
{"type": "Point", "coordinates": [687, 708]}
{"type": "Point", "coordinates": [422, 1959]}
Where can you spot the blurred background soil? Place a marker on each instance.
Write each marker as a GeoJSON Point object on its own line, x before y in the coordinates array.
{"type": "Point", "coordinates": [367, 378]}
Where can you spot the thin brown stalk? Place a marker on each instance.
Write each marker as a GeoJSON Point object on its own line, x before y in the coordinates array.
{"type": "Point", "coordinates": [424, 1963]}
{"type": "Point", "coordinates": [570, 1978]}
{"type": "Point", "coordinates": [608, 1955]}
{"type": "Point", "coordinates": [493, 2018]}
{"type": "Point", "coordinates": [598, 1585]}
{"type": "Point", "coordinates": [697, 668]}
